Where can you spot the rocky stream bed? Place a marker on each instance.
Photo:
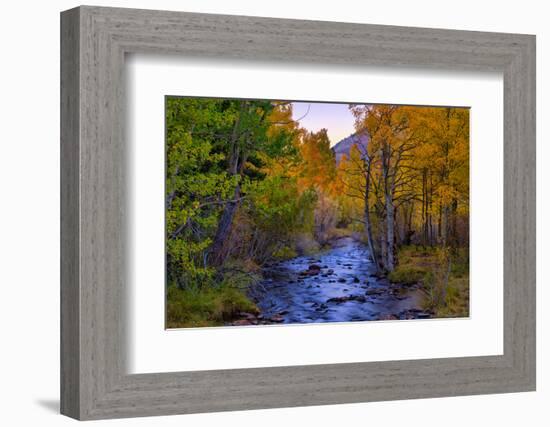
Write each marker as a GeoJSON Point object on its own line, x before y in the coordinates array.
{"type": "Point", "coordinates": [337, 285]}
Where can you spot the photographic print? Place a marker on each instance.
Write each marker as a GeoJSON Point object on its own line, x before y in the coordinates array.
{"type": "Point", "coordinates": [296, 212]}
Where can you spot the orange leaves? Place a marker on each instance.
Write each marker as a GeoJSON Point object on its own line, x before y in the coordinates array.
{"type": "Point", "coordinates": [318, 163]}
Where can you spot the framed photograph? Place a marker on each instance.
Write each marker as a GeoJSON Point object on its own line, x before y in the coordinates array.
{"type": "Point", "coordinates": [261, 213]}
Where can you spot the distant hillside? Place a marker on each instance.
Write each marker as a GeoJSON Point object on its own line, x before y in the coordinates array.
{"type": "Point", "coordinates": [344, 146]}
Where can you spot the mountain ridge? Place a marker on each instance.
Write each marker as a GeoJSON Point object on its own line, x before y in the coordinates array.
{"type": "Point", "coordinates": [343, 147]}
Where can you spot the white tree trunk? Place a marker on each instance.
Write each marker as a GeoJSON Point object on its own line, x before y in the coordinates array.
{"type": "Point", "coordinates": [368, 225]}
{"type": "Point", "coordinates": [390, 211]}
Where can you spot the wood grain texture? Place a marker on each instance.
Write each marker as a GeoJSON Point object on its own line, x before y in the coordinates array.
{"type": "Point", "coordinates": [70, 257]}
{"type": "Point", "coordinates": [94, 231]}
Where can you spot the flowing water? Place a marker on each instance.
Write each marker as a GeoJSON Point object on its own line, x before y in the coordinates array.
{"type": "Point", "coordinates": [336, 285]}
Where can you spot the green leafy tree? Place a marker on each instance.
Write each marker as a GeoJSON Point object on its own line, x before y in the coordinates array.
{"type": "Point", "coordinates": [214, 148]}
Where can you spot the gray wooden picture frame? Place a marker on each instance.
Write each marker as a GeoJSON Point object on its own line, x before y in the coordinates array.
{"type": "Point", "coordinates": [94, 41]}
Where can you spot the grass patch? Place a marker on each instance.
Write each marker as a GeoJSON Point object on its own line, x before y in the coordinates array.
{"type": "Point", "coordinates": [415, 265]}
{"type": "Point", "coordinates": [444, 276]}
{"type": "Point", "coordinates": [211, 307]}
{"type": "Point", "coordinates": [407, 275]}
{"type": "Point", "coordinates": [457, 300]}
{"type": "Point", "coordinates": [284, 253]}
{"type": "Point", "coordinates": [211, 304]}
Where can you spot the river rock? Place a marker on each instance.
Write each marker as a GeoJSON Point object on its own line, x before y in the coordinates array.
{"type": "Point", "coordinates": [339, 300]}
{"type": "Point", "coordinates": [341, 280]}
{"type": "Point", "coordinates": [247, 316]}
{"type": "Point", "coordinates": [321, 307]}
{"type": "Point", "coordinates": [242, 322]}
{"type": "Point", "coordinates": [313, 270]}
{"type": "Point", "coordinates": [423, 315]}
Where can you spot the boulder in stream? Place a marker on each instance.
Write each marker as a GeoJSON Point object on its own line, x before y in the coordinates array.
{"type": "Point", "coordinates": [277, 318]}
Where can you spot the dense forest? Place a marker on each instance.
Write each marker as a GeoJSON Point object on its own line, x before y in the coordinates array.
{"type": "Point", "coordinates": [247, 187]}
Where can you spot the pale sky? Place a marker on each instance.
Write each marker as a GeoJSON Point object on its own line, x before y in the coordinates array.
{"type": "Point", "coordinates": [336, 118]}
